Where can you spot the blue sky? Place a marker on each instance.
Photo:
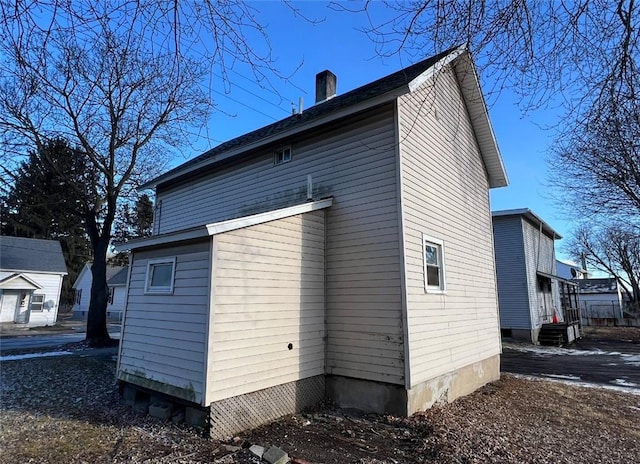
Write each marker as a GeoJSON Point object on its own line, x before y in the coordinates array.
{"type": "Point", "coordinates": [337, 44]}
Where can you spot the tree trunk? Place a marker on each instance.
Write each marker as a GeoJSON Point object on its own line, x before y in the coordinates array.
{"type": "Point", "coordinates": [97, 333]}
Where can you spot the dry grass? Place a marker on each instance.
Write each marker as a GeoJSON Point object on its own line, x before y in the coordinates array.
{"type": "Point", "coordinates": [66, 410]}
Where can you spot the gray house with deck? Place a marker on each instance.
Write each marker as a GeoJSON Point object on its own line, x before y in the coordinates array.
{"type": "Point", "coordinates": [344, 252]}
{"type": "Point", "coordinates": [536, 304]}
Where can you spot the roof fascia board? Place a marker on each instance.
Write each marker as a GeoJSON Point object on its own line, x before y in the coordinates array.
{"type": "Point", "coordinates": [33, 271]}
{"type": "Point", "coordinates": [479, 116]}
{"type": "Point", "coordinates": [436, 68]}
{"type": "Point", "coordinates": [85, 268]}
{"type": "Point", "coordinates": [20, 276]}
{"type": "Point", "coordinates": [531, 216]}
{"type": "Point", "coordinates": [225, 226]}
{"type": "Point", "coordinates": [247, 221]}
{"type": "Point", "coordinates": [191, 234]}
{"type": "Point", "coordinates": [335, 115]}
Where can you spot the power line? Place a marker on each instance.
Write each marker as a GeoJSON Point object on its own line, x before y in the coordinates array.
{"type": "Point", "coordinates": [245, 105]}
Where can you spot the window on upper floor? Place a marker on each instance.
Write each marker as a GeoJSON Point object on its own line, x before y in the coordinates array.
{"type": "Point", "coordinates": [433, 257]}
{"type": "Point", "coordinates": [160, 275]}
{"type": "Point", "coordinates": [282, 155]}
{"type": "Point", "coordinates": [78, 296]}
{"type": "Point", "coordinates": [111, 292]}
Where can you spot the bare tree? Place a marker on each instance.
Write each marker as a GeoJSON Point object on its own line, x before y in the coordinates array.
{"type": "Point", "coordinates": [580, 50]}
{"type": "Point", "coordinates": [596, 168]}
{"type": "Point", "coordinates": [121, 80]}
{"type": "Point", "coordinates": [615, 250]}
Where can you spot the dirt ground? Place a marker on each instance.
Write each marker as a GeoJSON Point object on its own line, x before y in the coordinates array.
{"type": "Point", "coordinates": [66, 409]}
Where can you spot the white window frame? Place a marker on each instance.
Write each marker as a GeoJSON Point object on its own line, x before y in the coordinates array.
{"type": "Point", "coordinates": [112, 291]}
{"type": "Point", "coordinates": [439, 245]}
{"type": "Point", "coordinates": [41, 304]}
{"type": "Point", "coordinates": [164, 290]}
{"type": "Point", "coordinates": [282, 155]}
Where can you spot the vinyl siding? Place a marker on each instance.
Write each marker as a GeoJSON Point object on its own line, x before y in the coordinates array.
{"type": "Point", "coordinates": [51, 285]}
{"type": "Point", "coordinates": [84, 284]}
{"type": "Point", "coordinates": [115, 309]}
{"type": "Point", "coordinates": [445, 196]}
{"type": "Point", "coordinates": [354, 161]}
{"type": "Point", "coordinates": [511, 270]}
{"type": "Point", "coordinates": [540, 256]}
{"type": "Point", "coordinates": [268, 292]}
{"type": "Point", "coordinates": [163, 337]}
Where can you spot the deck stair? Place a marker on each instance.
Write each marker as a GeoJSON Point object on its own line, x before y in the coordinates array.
{"type": "Point", "coordinates": [553, 334]}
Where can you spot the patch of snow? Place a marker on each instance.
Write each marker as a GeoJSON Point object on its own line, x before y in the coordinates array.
{"type": "Point", "coordinates": [17, 357]}
{"type": "Point", "coordinates": [624, 383]}
{"type": "Point", "coordinates": [615, 388]}
{"type": "Point", "coordinates": [631, 359]}
{"type": "Point", "coordinates": [552, 350]}
{"type": "Point", "coordinates": [565, 377]}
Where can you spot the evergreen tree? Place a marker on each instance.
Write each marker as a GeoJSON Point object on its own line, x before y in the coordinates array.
{"type": "Point", "coordinates": [40, 203]}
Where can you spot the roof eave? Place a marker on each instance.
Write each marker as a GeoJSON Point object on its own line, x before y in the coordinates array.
{"type": "Point", "coordinates": [479, 116]}
{"type": "Point", "coordinates": [334, 115]}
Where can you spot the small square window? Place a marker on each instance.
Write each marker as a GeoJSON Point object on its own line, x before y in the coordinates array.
{"type": "Point", "coordinates": [434, 277]}
{"type": "Point", "coordinates": [160, 275]}
{"type": "Point", "coordinates": [282, 156]}
{"type": "Point", "coordinates": [36, 303]}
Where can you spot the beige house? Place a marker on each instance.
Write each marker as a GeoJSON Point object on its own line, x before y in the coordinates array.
{"type": "Point", "coordinates": [346, 252]}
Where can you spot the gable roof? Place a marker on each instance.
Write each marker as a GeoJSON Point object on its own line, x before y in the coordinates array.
{"type": "Point", "coordinates": [602, 285]}
{"type": "Point", "coordinates": [531, 216]}
{"type": "Point", "coordinates": [116, 275]}
{"type": "Point", "coordinates": [30, 254]}
{"type": "Point", "coordinates": [13, 281]}
{"type": "Point", "coordinates": [380, 91]}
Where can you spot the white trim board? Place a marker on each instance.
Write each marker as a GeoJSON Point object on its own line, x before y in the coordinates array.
{"type": "Point", "coordinates": [225, 226]}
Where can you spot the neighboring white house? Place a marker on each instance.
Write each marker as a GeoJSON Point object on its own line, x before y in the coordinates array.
{"type": "Point", "coordinates": [531, 293]}
{"type": "Point", "coordinates": [601, 300]}
{"type": "Point", "coordinates": [116, 281]}
{"type": "Point", "coordinates": [344, 252]}
{"type": "Point", "coordinates": [31, 273]}
{"type": "Point", "coordinates": [571, 270]}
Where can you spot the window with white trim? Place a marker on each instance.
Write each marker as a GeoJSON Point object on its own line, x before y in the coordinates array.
{"type": "Point", "coordinates": [433, 259]}
{"type": "Point", "coordinates": [282, 156]}
{"type": "Point", "coordinates": [160, 275]}
{"type": "Point", "coordinates": [111, 292]}
{"type": "Point", "coordinates": [37, 301]}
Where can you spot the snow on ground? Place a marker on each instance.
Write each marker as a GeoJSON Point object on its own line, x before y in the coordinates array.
{"type": "Point", "coordinates": [632, 359]}
{"type": "Point", "coordinates": [554, 350]}
{"type": "Point", "coordinates": [48, 354]}
{"type": "Point", "coordinates": [624, 383]}
{"type": "Point", "coordinates": [565, 377]}
{"type": "Point", "coordinates": [616, 388]}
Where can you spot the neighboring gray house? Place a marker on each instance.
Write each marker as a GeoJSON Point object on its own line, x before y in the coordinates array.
{"type": "Point", "coordinates": [31, 273]}
{"type": "Point", "coordinates": [530, 292]}
{"type": "Point", "coordinates": [343, 252]}
{"type": "Point", "coordinates": [117, 283]}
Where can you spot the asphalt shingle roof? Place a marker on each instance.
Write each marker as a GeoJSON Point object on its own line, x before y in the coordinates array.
{"type": "Point", "coordinates": [361, 94]}
{"type": "Point", "coordinates": [117, 275]}
{"type": "Point", "coordinates": [29, 254]}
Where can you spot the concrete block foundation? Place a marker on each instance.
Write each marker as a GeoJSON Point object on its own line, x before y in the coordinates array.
{"type": "Point", "coordinates": [381, 398]}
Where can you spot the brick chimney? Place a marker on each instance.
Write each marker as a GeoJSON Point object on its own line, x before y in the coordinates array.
{"type": "Point", "coordinates": [326, 83]}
